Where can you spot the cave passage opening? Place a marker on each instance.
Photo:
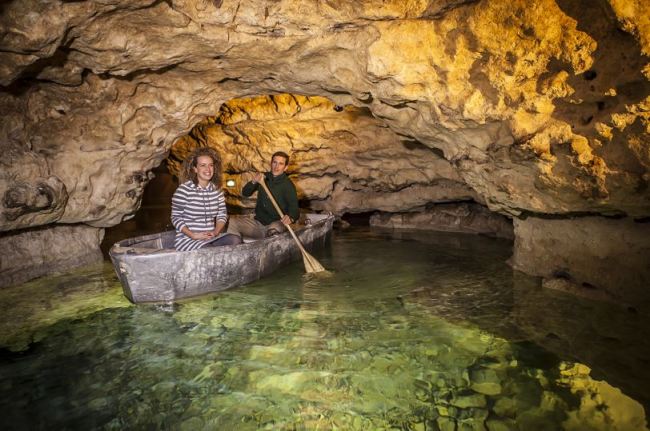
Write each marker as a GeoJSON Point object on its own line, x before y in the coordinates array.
{"type": "Point", "coordinates": [152, 216]}
{"type": "Point", "coordinates": [343, 160]}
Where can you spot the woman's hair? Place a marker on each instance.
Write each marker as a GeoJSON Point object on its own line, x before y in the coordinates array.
{"type": "Point", "coordinates": [187, 173]}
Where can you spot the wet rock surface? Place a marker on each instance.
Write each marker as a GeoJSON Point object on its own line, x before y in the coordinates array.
{"type": "Point", "coordinates": [600, 258]}
{"type": "Point", "coordinates": [37, 252]}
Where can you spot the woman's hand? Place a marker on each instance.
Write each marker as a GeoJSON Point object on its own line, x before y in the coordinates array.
{"type": "Point", "coordinates": [197, 236]}
{"type": "Point", "coordinates": [218, 229]}
{"type": "Point", "coordinates": [201, 235]}
{"type": "Point", "coordinates": [214, 232]}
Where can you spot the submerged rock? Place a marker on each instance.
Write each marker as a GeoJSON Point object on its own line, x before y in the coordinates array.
{"type": "Point", "coordinates": [486, 381]}
{"type": "Point", "coordinates": [470, 400]}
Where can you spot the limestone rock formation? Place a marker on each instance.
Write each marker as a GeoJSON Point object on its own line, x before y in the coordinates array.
{"type": "Point", "coordinates": [607, 258]}
{"type": "Point", "coordinates": [342, 159]}
{"type": "Point", "coordinates": [38, 252]}
{"type": "Point", "coordinates": [449, 217]}
{"type": "Point", "coordinates": [538, 109]}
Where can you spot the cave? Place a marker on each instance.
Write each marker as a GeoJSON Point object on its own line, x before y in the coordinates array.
{"type": "Point", "coordinates": [491, 137]}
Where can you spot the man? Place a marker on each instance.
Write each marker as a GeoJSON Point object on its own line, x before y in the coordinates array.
{"type": "Point", "coordinates": [267, 222]}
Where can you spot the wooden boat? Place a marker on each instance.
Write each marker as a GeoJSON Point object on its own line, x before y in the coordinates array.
{"type": "Point", "coordinates": [151, 270]}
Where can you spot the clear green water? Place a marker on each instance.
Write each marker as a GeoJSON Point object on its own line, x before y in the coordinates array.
{"type": "Point", "coordinates": [413, 331]}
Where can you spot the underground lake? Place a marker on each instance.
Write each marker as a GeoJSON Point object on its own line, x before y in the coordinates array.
{"type": "Point", "coordinates": [412, 330]}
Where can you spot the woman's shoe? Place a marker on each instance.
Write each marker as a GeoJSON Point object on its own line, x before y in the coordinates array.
{"type": "Point", "coordinates": [272, 232]}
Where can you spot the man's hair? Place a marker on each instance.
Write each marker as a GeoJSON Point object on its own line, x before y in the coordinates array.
{"type": "Point", "coordinates": [281, 154]}
{"type": "Point", "coordinates": [187, 173]}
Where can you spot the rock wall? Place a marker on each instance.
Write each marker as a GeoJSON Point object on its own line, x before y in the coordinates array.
{"type": "Point", "coordinates": [38, 252]}
{"type": "Point", "coordinates": [536, 108]}
{"type": "Point", "coordinates": [449, 217]}
{"type": "Point", "coordinates": [595, 257]}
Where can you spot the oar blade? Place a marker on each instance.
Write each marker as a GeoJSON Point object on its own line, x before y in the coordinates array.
{"type": "Point", "coordinates": [311, 264]}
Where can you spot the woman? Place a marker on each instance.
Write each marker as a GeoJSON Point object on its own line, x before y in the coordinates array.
{"type": "Point", "coordinates": [198, 205]}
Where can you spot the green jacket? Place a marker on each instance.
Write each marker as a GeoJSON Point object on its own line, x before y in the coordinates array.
{"type": "Point", "coordinates": [284, 193]}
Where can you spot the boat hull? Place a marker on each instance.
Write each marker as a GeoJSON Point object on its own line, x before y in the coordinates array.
{"type": "Point", "coordinates": [150, 273]}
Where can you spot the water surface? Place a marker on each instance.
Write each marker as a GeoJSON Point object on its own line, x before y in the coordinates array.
{"type": "Point", "coordinates": [412, 331]}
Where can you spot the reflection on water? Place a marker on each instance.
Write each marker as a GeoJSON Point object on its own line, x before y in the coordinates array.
{"type": "Point", "coordinates": [412, 331]}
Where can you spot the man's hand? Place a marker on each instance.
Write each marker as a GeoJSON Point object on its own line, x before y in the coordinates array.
{"type": "Point", "coordinates": [286, 220]}
{"type": "Point", "coordinates": [257, 178]}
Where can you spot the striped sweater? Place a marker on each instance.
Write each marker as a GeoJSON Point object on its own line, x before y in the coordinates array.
{"type": "Point", "coordinates": [197, 209]}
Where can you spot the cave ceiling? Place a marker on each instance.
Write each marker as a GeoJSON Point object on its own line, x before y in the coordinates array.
{"type": "Point", "coordinates": [527, 107]}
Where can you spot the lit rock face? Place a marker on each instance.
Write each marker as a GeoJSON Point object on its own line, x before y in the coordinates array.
{"type": "Point", "coordinates": [541, 108]}
{"type": "Point", "coordinates": [342, 159]}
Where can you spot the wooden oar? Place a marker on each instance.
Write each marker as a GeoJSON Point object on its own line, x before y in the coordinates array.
{"type": "Point", "coordinates": [311, 264]}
